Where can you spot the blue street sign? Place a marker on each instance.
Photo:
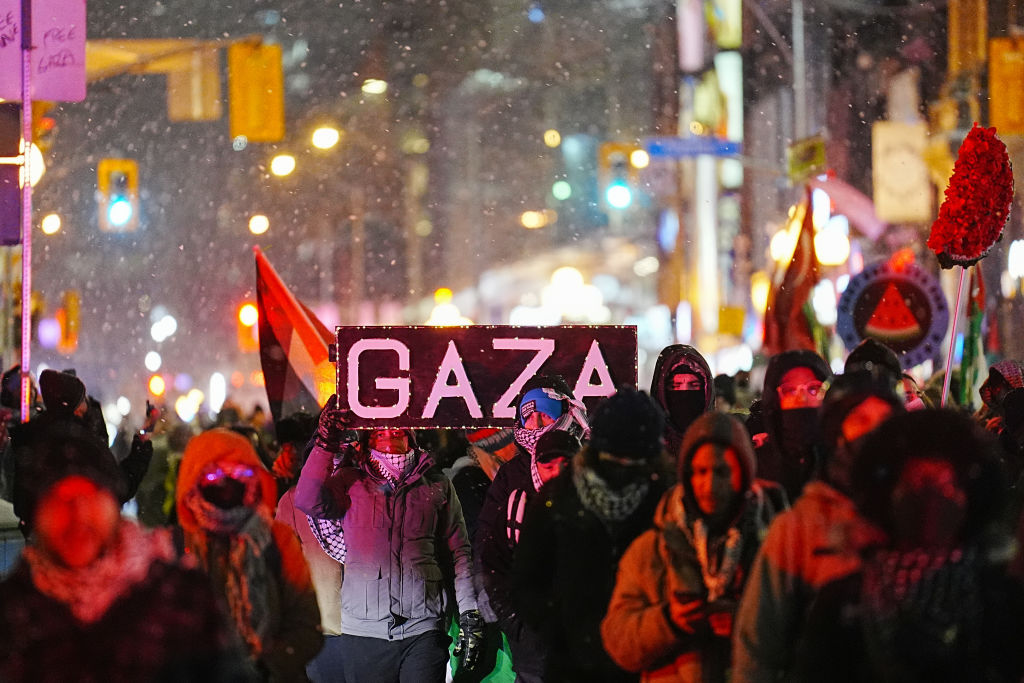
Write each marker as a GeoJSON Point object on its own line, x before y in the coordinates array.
{"type": "Point", "coordinates": [691, 146]}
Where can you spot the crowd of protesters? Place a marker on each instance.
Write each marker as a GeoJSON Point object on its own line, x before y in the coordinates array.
{"type": "Point", "coordinates": [808, 526]}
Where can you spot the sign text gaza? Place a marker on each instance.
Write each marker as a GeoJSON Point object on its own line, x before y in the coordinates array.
{"type": "Point", "coordinates": [470, 376]}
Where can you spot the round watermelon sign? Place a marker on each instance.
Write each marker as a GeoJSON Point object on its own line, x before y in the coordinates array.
{"type": "Point", "coordinates": [901, 306]}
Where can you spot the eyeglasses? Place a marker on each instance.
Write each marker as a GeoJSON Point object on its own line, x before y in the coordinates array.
{"type": "Point", "coordinates": [811, 389]}
{"type": "Point", "coordinates": [220, 473]}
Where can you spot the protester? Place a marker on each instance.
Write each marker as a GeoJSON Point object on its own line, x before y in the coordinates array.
{"type": "Point", "coordinates": [225, 503]}
{"type": "Point", "coordinates": [684, 387]}
{"type": "Point", "coordinates": [67, 405]}
{"type": "Point", "coordinates": [794, 385]}
{"type": "Point", "coordinates": [678, 584]}
{"type": "Point", "coordinates": [932, 602]}
{"type": "Point", "coordinates": [545, 405]}
{"type": "Point", "coordinates": [403, 532]}
{"type": "Point", "coordinates": [94, 597]}
{"type": "Point", "coordinates": [725, 393]}
{"type": "Point", "coordinates": [817, 541]}
{"type": "Point", "coordinates": [326, 571]}
{"type": "Point", "coordinates": [577, 528]}
{"type": "Point", "coordinates": [1003, 377]}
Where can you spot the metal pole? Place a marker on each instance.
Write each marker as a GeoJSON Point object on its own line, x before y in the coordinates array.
{"type": "Point", "coordinates": [952, 340]}
{"type": "Point", "coordinates": [26, 205]}
{"type": "Point", "coordinates": [799, 72]}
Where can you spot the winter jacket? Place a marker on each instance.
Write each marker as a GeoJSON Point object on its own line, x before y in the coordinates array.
{"type": "Point", "coordinates": [283, 581]}
{"type": "Point", "coordinates": [405, 543]}
{"type": "Point", "coordinates": [637, 630]}
{"type": "Point", "coordinates": [564, 573]}
{"type": "Point", "coordinates": [816, 542]}
{"type": "Point", "coordinates": [166, 627]}
{"type": "Point", "coordinates": [676, 357]}
{"type": "Point", "coordinates": [497, 533]}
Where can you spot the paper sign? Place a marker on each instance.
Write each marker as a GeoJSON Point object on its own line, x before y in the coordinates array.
{"type": "Point", "coordinates": [469, 377]}
{"type": "Point", "coordinates": [57, 55]}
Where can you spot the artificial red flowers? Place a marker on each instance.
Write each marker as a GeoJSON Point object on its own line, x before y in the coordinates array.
{"type": "Point", "coordinates": [977, 203]}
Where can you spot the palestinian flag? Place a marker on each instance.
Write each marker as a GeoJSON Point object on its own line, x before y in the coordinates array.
{"type": "Point", "coordinates": [788, 320]}
{"type": "Point", "coordinates": [299, 375]}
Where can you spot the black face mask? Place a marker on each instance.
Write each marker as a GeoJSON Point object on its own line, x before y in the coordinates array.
{"type": "Point", "coordinates": [796, 443]}
{"type": "Point", "coordinates": [225, 493]}
{"type": "Point", "coordinates": [616, 475]}
{"type": "Point", "coordinates": [684, 407]}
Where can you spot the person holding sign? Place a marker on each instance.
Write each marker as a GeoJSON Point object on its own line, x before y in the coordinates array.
{"type": "Point", "coordinates": [545, 405]}
{"type": "Point", "coordinates": [404, 533]}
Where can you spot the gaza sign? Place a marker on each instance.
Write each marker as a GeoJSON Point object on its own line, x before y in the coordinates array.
{"type": "Point", "coordinates": [469, 377]}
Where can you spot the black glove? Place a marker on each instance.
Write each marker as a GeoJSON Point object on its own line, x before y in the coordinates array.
{"type": "Point", "coordinates": [332, 432]}
{"type": "Point", "coordinates": [471, 639]}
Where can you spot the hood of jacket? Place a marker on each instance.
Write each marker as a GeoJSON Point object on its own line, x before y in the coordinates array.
{"type": "Point", "coordinates": [681, 355]}
{"type": "Point", "coordinates": [779, 365]}
{"type": "Point", "coordinates": [723, 430]}
{"type": "Point", "coordinates": [219, 446]}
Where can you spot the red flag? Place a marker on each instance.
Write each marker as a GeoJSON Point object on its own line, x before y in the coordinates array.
{"type": "Point", "coordinates": [786, 326]}
{"type": "Point", "coordinates": [299, 375]}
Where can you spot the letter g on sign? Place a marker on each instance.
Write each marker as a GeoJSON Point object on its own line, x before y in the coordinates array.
{"type": "Point", "coordinates": [399, 384]}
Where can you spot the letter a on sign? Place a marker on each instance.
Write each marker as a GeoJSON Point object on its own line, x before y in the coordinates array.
{"type": "Point", "coordinates": [452, 365]}
{"type": "Point", "coordinates": [595, 362]}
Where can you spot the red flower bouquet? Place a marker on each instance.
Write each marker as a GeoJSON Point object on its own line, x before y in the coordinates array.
{"type": "Point", "coordinates": [977, 202]}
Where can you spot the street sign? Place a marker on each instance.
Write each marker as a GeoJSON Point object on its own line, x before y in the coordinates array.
{"type": "Point", "coordinates": [805, 158]}
{"type": "Point", "coordinates": [57, 54]}
{"type": "Point", "coordinates": [691, 146]}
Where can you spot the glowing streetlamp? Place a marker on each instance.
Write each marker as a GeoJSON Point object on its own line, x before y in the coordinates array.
{"type": "Point", "coordinates": [282, 165]}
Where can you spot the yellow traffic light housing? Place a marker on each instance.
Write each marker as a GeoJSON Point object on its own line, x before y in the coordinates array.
{"type": "Point", "coordinates": [117, 196]}
{"type": "Point", "coordinates": [69, 318]}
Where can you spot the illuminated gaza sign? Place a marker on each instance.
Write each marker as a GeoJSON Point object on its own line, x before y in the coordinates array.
{"type": "Point", "coordinates": [469, 377]}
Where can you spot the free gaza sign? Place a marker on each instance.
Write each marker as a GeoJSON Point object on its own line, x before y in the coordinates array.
{"type": "Point", "coordinates": [469, 377]}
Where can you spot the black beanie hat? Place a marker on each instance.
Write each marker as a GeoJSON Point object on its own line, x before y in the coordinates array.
{"type": "Point", "coordinates": [62, 392]}
{"type": "Point", "coordinates": [870, 354]}
{"type": "Point", "coordinates": [557, 443]}
{"type": "Point", "coordinates": [57, 450]}
{"type": "Point", "coordinates": [628, 424]}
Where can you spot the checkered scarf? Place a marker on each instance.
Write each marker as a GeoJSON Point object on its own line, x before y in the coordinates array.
{"type": "Point", "coordinates": [573, 421]}
{"type": "Point", "coordinates": [608, 504]}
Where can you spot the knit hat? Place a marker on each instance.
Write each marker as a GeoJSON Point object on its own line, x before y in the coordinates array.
{"type": "Point", "coordinates": [62, 450]}
{"type": "Point", "coordinates": [628, 424]}
{"type": "Point", "coordinates": [557, 444]}
{"type": "Point", "coordinates": [62, 392]}
{"type": "Point", "coordinates": [848, 391]}
{"type": "Point", "coordinates": [870, 354]}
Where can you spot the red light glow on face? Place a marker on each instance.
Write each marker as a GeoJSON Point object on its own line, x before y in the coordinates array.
{"type": "Point", "coordinates": [75, 521]}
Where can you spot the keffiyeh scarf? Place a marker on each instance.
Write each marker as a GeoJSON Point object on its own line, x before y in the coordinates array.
{"type": "Point", "coordinates": [608, 504]}
{"type": "Point", "coordinates": [90, 591]}
{"type": "Point", "coordinates": [392, 466]}
{"type": "Point", "coordinates": [573, 421]}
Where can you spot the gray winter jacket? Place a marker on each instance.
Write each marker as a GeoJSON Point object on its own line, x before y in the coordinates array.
{"type": "Point", "coordinates": [405, 544]}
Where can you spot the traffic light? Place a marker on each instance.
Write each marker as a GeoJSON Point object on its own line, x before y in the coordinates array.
{"type": "Point", "coordinates": [617, 174]}
{"type": "Point", "coordinates": [248, 330]}
{"type": "Point", "coordinates": [117, 197]}
{"type": "Point", "coordinates": [69, 318]}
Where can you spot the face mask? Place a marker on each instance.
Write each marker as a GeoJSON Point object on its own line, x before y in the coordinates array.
{"type": "Point", "coordinates": [796, 443]}
{"type": "Point", "coordinates": [684, 407]}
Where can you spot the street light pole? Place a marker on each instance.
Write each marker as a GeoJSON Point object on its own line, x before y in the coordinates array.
{"type": "Point", "coordinates": [799, 72]}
